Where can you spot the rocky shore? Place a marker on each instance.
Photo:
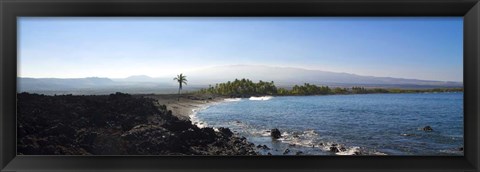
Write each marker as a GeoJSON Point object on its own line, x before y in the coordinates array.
{"type": "Point", "coordinates": [116, 124]}
{"type": "Point", "coordinates": [184, 106]}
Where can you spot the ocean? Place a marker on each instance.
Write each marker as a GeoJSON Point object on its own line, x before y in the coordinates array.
{"type": "Point", "coordinates": [369, 124]}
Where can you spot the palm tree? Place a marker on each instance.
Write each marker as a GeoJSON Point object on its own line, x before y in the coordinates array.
{"type": "Point", "coordinates": [181, 79]}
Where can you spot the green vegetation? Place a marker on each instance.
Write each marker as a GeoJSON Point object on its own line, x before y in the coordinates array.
{"type": "Point", "coordinates": [181, 79]}
{"type": "Point", "coordinates": [247, 88]}
{"type": "Point", "coordinates": [242, 88]}
{"type": "Point", "coordinates": [309, 89]}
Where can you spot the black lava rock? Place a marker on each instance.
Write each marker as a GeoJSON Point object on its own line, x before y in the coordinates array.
{"type": "Point", "coordinates": [286, 151]}
{"type": "Point", "coordinates": [427, 128]}
{"type": "Point", "coordinates": [225, 132]}
{"type": "Point", "coordinates": [275, 133]}
{"type": "Point", "coordinates": [116, 124]}
{"type": "Point", "coordinates": [334, 149]}
{"type": "Point", "coordinates": [265, 147]}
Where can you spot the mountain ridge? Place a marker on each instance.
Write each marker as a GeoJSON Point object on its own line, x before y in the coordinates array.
{"type": "Point", "coordinates": [200, 78]}
{"type": "Point", "coordinates": [292, 75]}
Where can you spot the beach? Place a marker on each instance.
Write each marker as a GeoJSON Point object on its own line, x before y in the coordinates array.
{"type": "Point", "coordinates": [186, 105]}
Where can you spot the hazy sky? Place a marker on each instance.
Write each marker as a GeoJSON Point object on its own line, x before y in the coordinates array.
{"type": "Point", "coordinates": [419, 48]}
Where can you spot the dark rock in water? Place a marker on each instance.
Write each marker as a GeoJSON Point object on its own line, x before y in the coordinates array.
{"type": "Point", "coordinates": [343, 149]}
{"type": "Point", "coordinates": [286, 151]}
{"type": "Point", "coordinates": [265, 147]}
{"type": "Point", "coordinates": [334, 144]}
{"type": "Point", "coordinates": [225, 132]}
{"type": "Point", "coordinates": [292, 145]}
{"type": "Point", "coordinates": [427, 128]}
{"type": "Point", "coordinates": [299, 153]}
{"type": "Point", "coordinates": [275, 133]}
{"type": "Point", "coordinates": [269, 153]}
{"type": "Point", "coordinates": [334, 149]}
{"type": "Point", "coordinates": [460, 149]}
{"type": "Point", "coordinates": [357, 153]}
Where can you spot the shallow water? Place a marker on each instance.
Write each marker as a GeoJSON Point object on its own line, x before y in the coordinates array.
{"type": "Point", "coordinates": [373, 124]}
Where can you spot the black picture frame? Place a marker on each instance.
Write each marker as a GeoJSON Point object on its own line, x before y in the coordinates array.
{"type": "Point", "coordinates": [11, 9]}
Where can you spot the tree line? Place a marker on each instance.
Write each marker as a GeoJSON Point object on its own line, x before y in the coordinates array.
{"type": "Point", "coordinates": [242, 88]}
{"type": "Point", "coordinates": [246, 88]}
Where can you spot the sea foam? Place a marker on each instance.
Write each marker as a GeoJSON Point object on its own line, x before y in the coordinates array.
{"type": "Point", "coordinates": [232, 99]}
{"type": "Point", "coordinates": [194, 118]}
{"type": "Point", "coordinates": [261, 98]}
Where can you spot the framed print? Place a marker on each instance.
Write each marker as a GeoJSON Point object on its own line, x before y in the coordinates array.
{"type": "Point", "coordinates": [308, 85]}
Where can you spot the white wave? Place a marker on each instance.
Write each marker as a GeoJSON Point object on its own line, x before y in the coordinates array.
{"type": "Point", "coordinates": [306, 138]}
{"type": "Point", "coordinates": [379, 153]}
{"type": "Point", "coordinates": [194, 118]}
{"type": "Point", "coordinates": [263, 133]}
{"type": "Point", "coordinates": [196, 121]}
{"type": "Point", "coordinates": [350, 151]}
{"type": "Point", "coordinates": [232, 99]}
{"type": "Point", "coordinates": [261, 98]}
{"type": "Point", "coordinates": [309, 138]}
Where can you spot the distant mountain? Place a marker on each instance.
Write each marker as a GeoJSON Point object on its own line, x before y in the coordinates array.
{"type": "Point", "coordinates": [56, 83]}
{"type": "Point", "coordinates": [94, 85]}
{"type": "Point", "coordinates": [139, 78]}
{"type": "Point", "coordinates": [282, 76]}
{"type": "Point", "coordinates": [288, 76]}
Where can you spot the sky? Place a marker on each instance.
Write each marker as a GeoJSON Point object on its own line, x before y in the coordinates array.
{"type": "Point", "coordinates": [429, 48]}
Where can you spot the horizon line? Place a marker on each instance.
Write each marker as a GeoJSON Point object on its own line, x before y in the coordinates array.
{"type": "Point", "coordinates": [258, 65]}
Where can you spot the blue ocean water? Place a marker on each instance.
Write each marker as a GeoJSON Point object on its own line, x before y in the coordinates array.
{"type": "Point", "coordinates": [373, 124]}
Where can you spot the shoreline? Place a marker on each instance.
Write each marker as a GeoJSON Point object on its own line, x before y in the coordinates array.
{"type": "Point", "coordinates": [187, 105]}
{"type": "Point", "coordinates": [122, 127]}
{"type": "Point", "coordinates": [289, 145]}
